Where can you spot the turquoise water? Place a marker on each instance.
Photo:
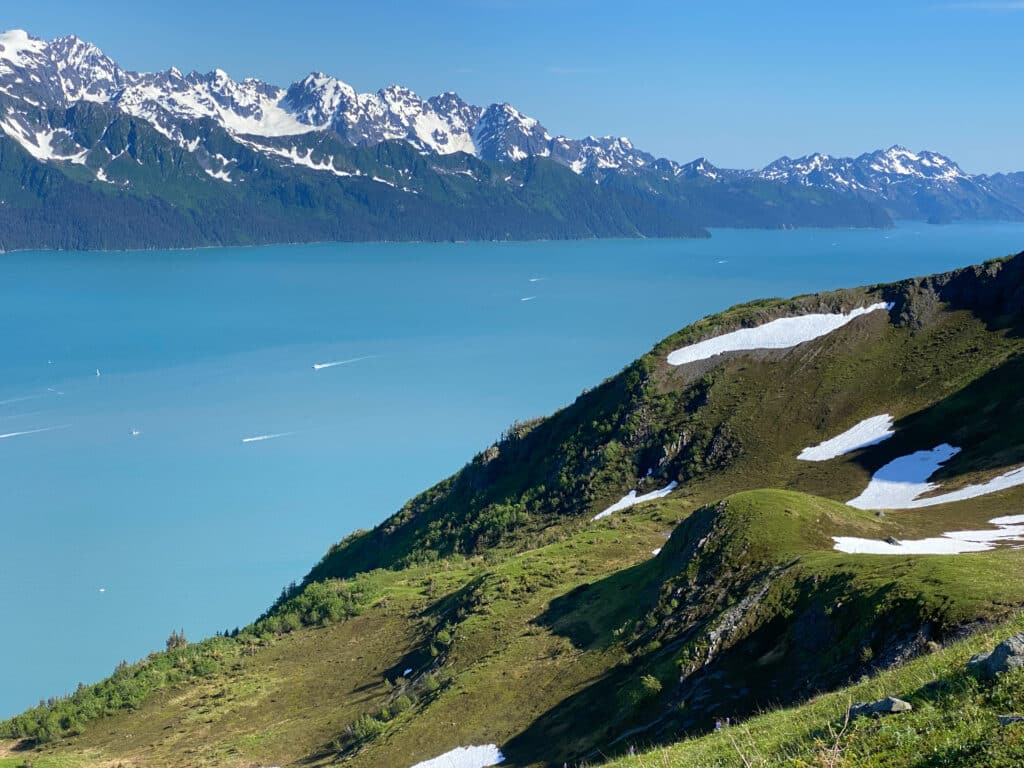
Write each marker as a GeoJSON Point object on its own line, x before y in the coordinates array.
{"type": "Point", "coordinates": [111, 539]}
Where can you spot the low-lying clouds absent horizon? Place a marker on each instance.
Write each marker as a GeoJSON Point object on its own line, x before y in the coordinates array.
{"type": "Point", "coordinates": [1007, 5]}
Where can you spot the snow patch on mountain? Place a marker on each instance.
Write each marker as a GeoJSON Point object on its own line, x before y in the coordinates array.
{"type": "Point", "coordinates": [631, 500]}
{"type": "Point", "coordinates": [1009, 531]}
{"type": "Point", "coordinates": [480, 756]}
{"type": "Point", "coordinates": [45, 145]}
{"type": "Point", "coordinates": [872, 171]}
{"type": "Point", "coordinates": [782, 333]}
{"type": "Point", "coordinates": [861, 435]}
{"type": "Point", "coordinates": [18, 48]}
{"type": "Point", "coordinates": [903, 482]}
{"type": "Point", "coordinates": [305, 159]}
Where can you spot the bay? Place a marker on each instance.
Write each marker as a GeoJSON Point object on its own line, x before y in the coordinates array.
{"type": "Point", "coordinates": [136, 498]}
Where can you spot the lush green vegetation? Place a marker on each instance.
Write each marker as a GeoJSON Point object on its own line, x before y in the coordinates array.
{"type": "Point", "coordinates": [492, 608]}
{"type": "Point", "coordinates": [126, 689]}
{"type": "Point", "coordinates": [955, 722]}
{"type": "Point", "coordinates": [315, 605]}
{"type": "Point", "coordinates": [161, 196]}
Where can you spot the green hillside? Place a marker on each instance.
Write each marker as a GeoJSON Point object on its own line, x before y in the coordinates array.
{"type": "Point", "coordinates": [492, 608]}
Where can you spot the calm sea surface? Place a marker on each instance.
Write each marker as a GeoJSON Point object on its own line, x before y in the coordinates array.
{"type": "Point", "coordinates": [132, 503]}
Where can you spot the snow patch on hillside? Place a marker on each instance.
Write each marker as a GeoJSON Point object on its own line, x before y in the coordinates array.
{"type": "Point", "coordinates": [1009, 529]}
{"type": "Point", "coordinates": [631, 500]}
{"type": "Point", "coordinates": [466, 757]}
{"type": "Point", "coordinates": [293, 156]}
{"type": "Point", "coordinates": [221, 175]}
{"type": "Point", "coordinates": [902, 482]}
{"type": "Point", "coordinates": [778, 334]}
{"type": "Point", "coordinates": [39, 144]}
{"type": "Point", "coordinates": [868, 432]}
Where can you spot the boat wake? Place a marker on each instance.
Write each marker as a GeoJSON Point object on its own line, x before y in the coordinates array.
{"type": "Point", "coordinates": [261, 438]}
{"type": "Point", "coordinates": [321, 366]}
{"type": "Point", "coordinates": [33, 431]}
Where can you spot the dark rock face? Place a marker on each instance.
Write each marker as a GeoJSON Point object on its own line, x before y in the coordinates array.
{"type": "Point", "coordinates": [887, 706]}
{"type": "Point", "coordinates": [1006, 656]}
{"type": "Point", "coordinates": [994, 291]}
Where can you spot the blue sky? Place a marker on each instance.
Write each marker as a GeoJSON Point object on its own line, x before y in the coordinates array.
{"type": "Point", "coordinates": [738, 82]}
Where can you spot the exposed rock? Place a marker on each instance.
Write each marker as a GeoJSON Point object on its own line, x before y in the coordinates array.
{"type": "Point", "coordinates": [887, 706]}
{"type": "Point", "coordinates": [1006, 656]}
{"type": "Point", "coordinates": [1005, 720]}
{"type": "Point", "coordinates": [892, 540]}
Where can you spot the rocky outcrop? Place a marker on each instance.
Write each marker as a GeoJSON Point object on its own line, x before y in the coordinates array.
{"type": "Point", "coordinates": [890, 705]}
{"type": "Point", "coordinates": [1006, 656]}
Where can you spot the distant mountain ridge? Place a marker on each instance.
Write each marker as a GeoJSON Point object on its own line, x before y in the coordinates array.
{"type": "Point", "coordinates": [171, 159]}
{"type": "Point", "coordinates": [67, 70]}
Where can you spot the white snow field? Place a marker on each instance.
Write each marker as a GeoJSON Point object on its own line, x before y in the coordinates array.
{"type": "Point", "coordinates": [466, 757]}
{"type": "Point", "coordinates": [1009, 529]}
{"type": "Point", "coordinates": [778, 334]}
{"type": "Point", "coordinates": [868, 432]}
{"type": "Point", "coordinates": [901, 482]}
{"type": "Point", "coordinates": [631, 500]}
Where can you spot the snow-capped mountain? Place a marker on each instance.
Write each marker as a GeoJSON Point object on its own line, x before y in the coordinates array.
{"type": "Point", "coordinates": [202, 158]}
{"type": "Point", "coordinates": [41, 74]}
{"type": "Point", "coordinates": [921, 184]}
{"type": "Point", "coordinates": [873, 171]}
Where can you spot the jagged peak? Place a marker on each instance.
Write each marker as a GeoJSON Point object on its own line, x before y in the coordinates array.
{"type": "Point", "coordinates": [14, 43]}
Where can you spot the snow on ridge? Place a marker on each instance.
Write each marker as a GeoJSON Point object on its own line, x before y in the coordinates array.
{"type": "Point", "coordinates": [868, 432]}
{"type": "Point", "coordinates": [631, 500]}
{"type": "Point", "coordinates": [443, 124]}
{"type": "Point", "coordinates": [292, 155]}
{"type": "Point", "coordinates": [240, 108]}
{"type": "Point", "coordinates": [782, 333]}
{"type": "Point", "coordinates": [1009, 529]}
{"type": "Point", "coordinates": [902, 482]}
{"type": "Point", "coordinates": [937, 545]}
{"type": "Point", "coordinates": [481, 756]}
{"type": "Point", "coordinates": [16, 43]}
{"type": "Point", "coordinates": [39, 144]}
{"type": "Point", "coordinates": [221, 175]}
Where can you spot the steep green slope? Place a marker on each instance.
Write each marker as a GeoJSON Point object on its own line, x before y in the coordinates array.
{"type": "Point", "coordinates": [492, 608]}
{"type": "Point", "coordinates": [955, 722]}
{"type": "Point", "coordinates": [737, 422]}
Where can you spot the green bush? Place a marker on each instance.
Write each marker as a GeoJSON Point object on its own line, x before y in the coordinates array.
{"type": "Point", "coordinates": [126, 689]}
{"type": "Point", "coordinates": [366, 728]}
{"type": "Point", "coordinates": [402, 704]}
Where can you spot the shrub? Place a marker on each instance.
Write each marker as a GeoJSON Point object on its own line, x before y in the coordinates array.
{"type": "Point", "coordinates": [366, 728]}
{"type": "Point", "coordinates": [402, 704]}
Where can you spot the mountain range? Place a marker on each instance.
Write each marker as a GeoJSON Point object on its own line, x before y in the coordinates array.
{"type": "Point", "coordinates": [778, 511]}
{"type": "Point", "coordinates": [93, 155]}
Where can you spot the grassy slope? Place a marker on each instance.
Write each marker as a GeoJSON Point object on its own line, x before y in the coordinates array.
{"type": "Point", "coordinates": [554, 624]}
{"type": "Point", "coordinates": [955, 722]}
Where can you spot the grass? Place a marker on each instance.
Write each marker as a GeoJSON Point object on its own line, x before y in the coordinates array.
{"type": "Point", "coordinates": [528, 625]}
{"type": "Point", "coordinates": [954, 723]}
{"type": "Point", "coordinates": [46, 761]}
